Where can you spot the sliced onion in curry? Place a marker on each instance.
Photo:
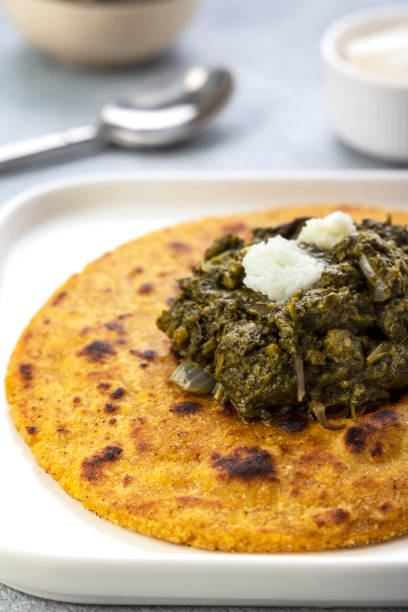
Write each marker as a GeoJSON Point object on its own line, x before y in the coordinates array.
{"type": "Point", "coordinates": [192, 378]}
{"type": "Point", "coordinates": [218, 393]}
{"type": "Point", "coordinates": [377, 353]}
{"type": "Point", "coordinates": [381, 291]}
{"type": "Point", "coordinates": [319, 410]}
{"type": "Point", "coordinates": [300, 378]}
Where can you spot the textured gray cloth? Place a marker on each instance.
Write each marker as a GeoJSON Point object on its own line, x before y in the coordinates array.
{"type": "Point", "coordinates": [13, 601]}
{"type": "Point", "coordinates": [277, 119]}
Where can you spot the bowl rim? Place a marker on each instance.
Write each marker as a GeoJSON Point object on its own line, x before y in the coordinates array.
{"type": "Point", "coordinates": [105, 4]}
{"type": "Point", "coordinates": [329, 46]}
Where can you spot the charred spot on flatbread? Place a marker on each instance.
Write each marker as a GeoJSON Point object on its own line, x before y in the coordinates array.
{"type": "Point", "coordinates": [245, 464]}
{"type": "Point", "coordinates": [62, 429]}
{"type": "Point", "coordinates": [374, 435]}
{"type": "Point", "coordinates": [180, 247]}
{"type": "Point", "coordinates": [148, 354]}
{"type": "Point", "coordinates": [97, 350]}
{"type": "Point", "coordinates": [115, 326]}
{"type": "Point", "coordinates": [118, 393]}
{"type": "Point", "coordinates": [58, 299]}
{"type": "Point", "coordinates": [293, 421]}
{"type": "Point", "coordinates": [103, 386]}
{"type": "Point", "coordinates": [92, 467]}
{"type": "Point", "coordinates": [146, 288]}
{"type": "Point", "coordinates": [332, 517]}
{"type": "Point", "coordinates": [386, 507]}
{"type": "Point", "coordinates": [227, 410]}
{"type": "Point", "coordinates": [26, 371]}
{"type": "Point", "coordinates": [109, 407]}
{"type": "Point", "coordinates": [183, 408]}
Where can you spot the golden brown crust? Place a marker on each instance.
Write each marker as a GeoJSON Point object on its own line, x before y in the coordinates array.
{"type": "Point", "coordinates": [89, 392]}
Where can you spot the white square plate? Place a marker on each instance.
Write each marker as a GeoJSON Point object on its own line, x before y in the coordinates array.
{"type": "Point", "coordinates": [49, 544]}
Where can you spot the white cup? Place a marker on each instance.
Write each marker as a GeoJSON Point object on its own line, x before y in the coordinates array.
{"type": "Point", "coordinates": [369, 110]}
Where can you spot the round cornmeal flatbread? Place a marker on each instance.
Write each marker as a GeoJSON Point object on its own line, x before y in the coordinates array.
{"type": "Point", "coordinates": [88, 384]}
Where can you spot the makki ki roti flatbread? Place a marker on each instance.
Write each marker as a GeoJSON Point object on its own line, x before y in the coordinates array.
{"type": "Point", "coordinates": [88, 385]}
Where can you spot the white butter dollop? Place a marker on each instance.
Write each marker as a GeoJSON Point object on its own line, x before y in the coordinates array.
{"type": "Point", "coordinates": [383, 51]}
{"type": "Point", "coordinates": [280, 267]}
{"type": "Point", "coordinates": [326, 232]}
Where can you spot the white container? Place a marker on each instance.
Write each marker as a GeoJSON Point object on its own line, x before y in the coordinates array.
{"type": "Point", "coordinates": [369, 110]}
{"type": "Point", "coordinates": [114, 32]}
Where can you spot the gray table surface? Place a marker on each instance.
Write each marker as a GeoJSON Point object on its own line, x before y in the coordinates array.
{"type": "Point", "coordinates": [277, 119]}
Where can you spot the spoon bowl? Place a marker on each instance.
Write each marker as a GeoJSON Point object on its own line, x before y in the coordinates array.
{"type": "Point", "coordinates": [157, 119]}
{"type": "Point", "coordinates": [172, 116]}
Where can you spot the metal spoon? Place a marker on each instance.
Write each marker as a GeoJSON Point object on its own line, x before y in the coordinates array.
{"type": "Point", "coordinates": [162, 118]}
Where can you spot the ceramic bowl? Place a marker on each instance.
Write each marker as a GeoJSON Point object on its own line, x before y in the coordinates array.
{"type": "Point", "coordinates": [369, 110]}
{"type": "Point", "coordinates": [101, 33]}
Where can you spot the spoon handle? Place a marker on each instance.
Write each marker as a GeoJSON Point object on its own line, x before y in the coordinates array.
{"type": "Point", "coordinates": [70, 142]}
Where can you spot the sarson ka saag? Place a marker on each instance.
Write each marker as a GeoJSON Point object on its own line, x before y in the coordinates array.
{"type": "Point", "coordinates": [311, 315]}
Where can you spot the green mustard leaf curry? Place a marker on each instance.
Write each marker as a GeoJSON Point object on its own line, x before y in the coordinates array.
{"type": "Point", "coordinates": [340, 345]}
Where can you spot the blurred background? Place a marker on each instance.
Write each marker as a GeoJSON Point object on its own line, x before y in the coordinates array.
{"type": "Point", "coordinates": [276, 120]}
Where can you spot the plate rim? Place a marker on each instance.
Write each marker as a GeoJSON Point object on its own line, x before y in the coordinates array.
{"type": "Point", "coordinates": [210, 176]}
